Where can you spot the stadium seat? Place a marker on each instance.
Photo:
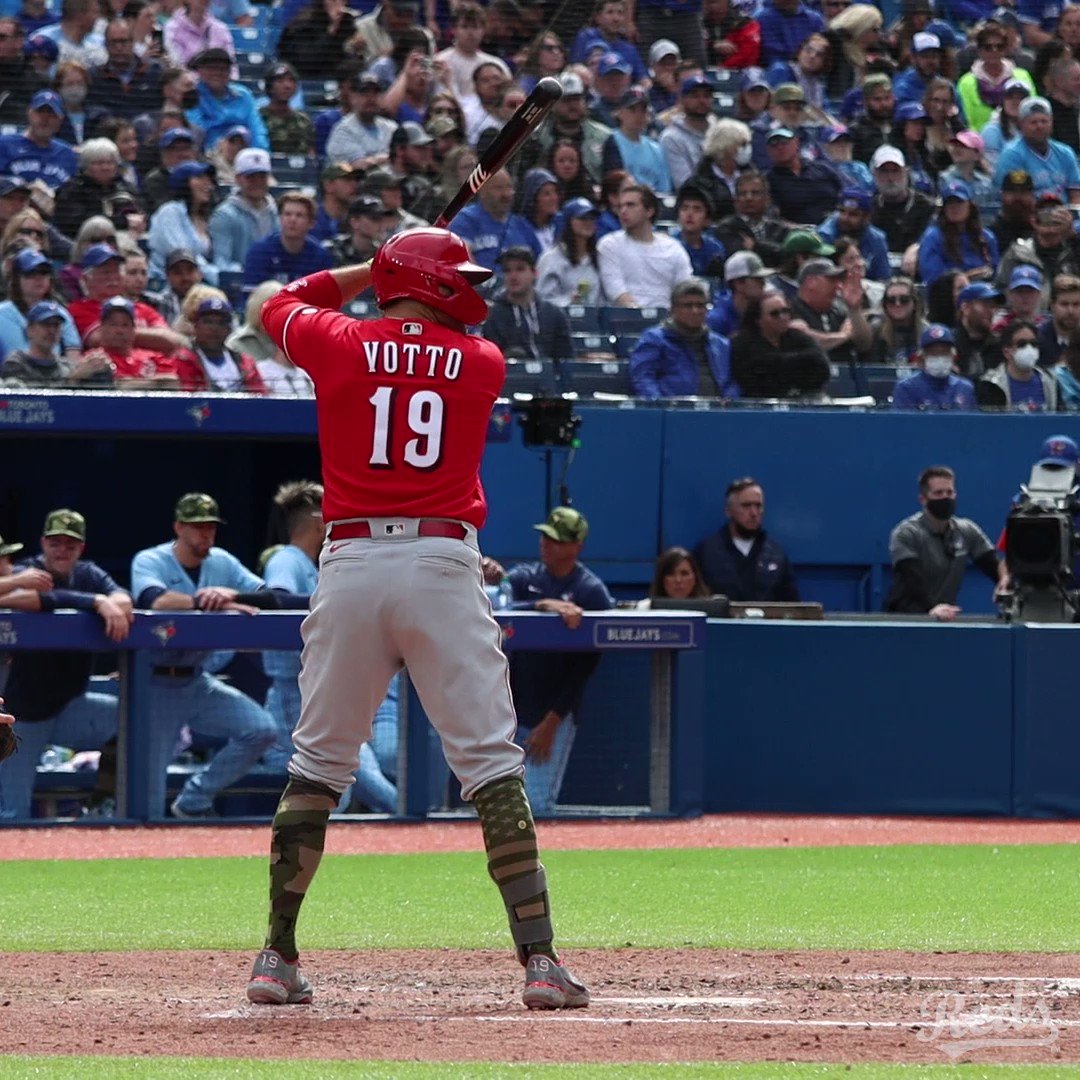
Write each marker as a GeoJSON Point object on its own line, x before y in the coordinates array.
{"type": "Point", "coordinates": [535, 377]}
{"type": "Point", "coordinates": [294, 169]}
{"type": "Point", "coordinates": [592, 343]}
{"type": "Point", "coordinates": [624, 320]}
{"type": "Point", "coordinates": [724, 79]}
{"type": "Point", "coordinates": [252, 66]}
{"type": "Point", "coordinates": [667, 208]}
{"type": "Point", "coordinates": [319, 93]}
{"type": "Point", "coordinates": [361, 309]}
{"type": "Point", "coordinates": [250, 39]}
{"type": "Point", "coordinates": [723, 104]}
{"type": "Point", "coordinates": [595, 377]}
{"type": "Point", "coordinates": [882, 378]}
{"type": "Point", "coordinates": [231, 283]}
{"type": "Point", "coordinates": [584, 319]}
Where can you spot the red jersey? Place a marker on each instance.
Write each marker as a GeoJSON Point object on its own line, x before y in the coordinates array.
{"type": "Point", "coordinates": [87, 315]}
{"type": "Point", "coordinates": [140, 364]}
{"type": "Point", "coordinates": [403, 405]}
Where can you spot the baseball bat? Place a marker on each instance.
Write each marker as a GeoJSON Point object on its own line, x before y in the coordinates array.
{"type": "Point", "coordinates": [517, 129]}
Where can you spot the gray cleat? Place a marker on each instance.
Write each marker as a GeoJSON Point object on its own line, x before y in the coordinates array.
{"type": "Point", "coordinates": [548, 985]}
{"type": "Point", "coordinates": [273, 982]}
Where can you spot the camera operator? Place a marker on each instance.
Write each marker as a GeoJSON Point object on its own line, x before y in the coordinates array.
{"type": "Point", "coordinates": [930, 552]}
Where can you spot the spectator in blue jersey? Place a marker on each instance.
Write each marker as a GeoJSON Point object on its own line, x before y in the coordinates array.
{"type": "Point", "coordinates": [548, 686]}
{"type": "Point", "coordinates": [292, 569]}
{"type": "Point", "coordinates": [744, 276]}
{"type": "Point", "coordinates": [785, 25]}
{"type": "Point", "coordinates": [488, 226]}
{"type": "Point", "coordinates": [223, 104]}
{"type": "Point", "coordinates": [611, 84]}
{"type": "Point", "coordinates": [184, 221]}
{"type": "Point", "coordinates": [937, 388]}
{"type": "Point", "coordinates": [34, 15]}
{"type": "Point", "coordinates": [50, 689]}
{"type": "Point", "coordinates": [804, 192]}
{"type": "Point", "coordinates": [609, 30]}
{"type": "Point", "coordinates": [694, 213]}
{"type": "Point", "coordinates": [191, 574]}
{"type": "Point", "coordinates": [1051, 164]}
{"type": "Point", "coordinates": [683, 357]}
{"type": "Point", "coordinates": [18, 78]}
{"type": "Point", "coordinates": [37, 154]}
{"type": "Point", "coordinates": [629, 148]}
{"type": "Point", "coordinates": [1019, 384]}
{"type": "Point", "coordinates": [968, 11]}
{"type": "Point", "coordinates": [926, 59]}
{"type": "Point", "coordinates": [741, 561]}
{"type": "Point", "coordinates": [1043, 20]}
{"type": "Point", "coordinates": [290, 252]}
{"type": "Point", "coordinates": [852, 218]}
{"type": "Point", "coordinates": [957, 240]}
{"type": "Point", "coordinates": [838, 145]}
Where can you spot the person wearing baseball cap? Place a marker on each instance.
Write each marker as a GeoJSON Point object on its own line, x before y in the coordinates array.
{"type": "Point", "coordinates": [838, 145]}
{"type": "Point", "coordinates": [937, 387]}
{"type": "Point", "coordinates": [547, 687]}
{"type": "Point", "coordinates": [289, 130]}
{"type": "Point", "coordinates": [967, 150]}
{"type": "Point", "coordinates": [802, 190]}
{"type": "Point", "coordinates": [957, 239]}
{"type": "Point", "coordinates": [852, 218]}
{"type": "Point", "coordinates": [664, 58]}
{"type": "Point", "coordinates": [608, 29]}
{"type": "Point", "coordinates": [211, 365]}
{"type": "Point", "coordinates": [977, 347]}
{"type": "Point", "coordinates": [839, 329]}
{"type": "Point", "coordinates": [369, 223]}
{"type": "Point", "coordinates": [1016, 218]}
{"type": "Point", "coordinates": [36, 153]}
{"type": "Point", "coordinates": [36, 361]}
{"type": "Point", "coordinates": [339, 183]}
{"type": "Point", "coordinates": [248, 214]}
{"type": "Point", "coordinates": [223, 104]}
{"type": "Point", "coordinates": [133, 367]}
{"type": "Point", "coordinates": [900, 212]}
{"type": "Point", "coordinates": [1026, 292]}
{"type": "Point", "coordinates": [683, 139]}
{"type": "Point", "coordinates": [744, 280]}
{"type": "Point", "coordinates": [1051, 164]}
{"type": "Point", "coordinates": [613, 79]}
{"type": "Point", "coordinates": [798, 248]}
{"type": "Point", "coordinates": [361, 138]}
{"type": "Point", "coordinates": [911, 84]}
{"type": "Point", "coordinates": [49, 690]}
{"type": "Point", "coordinates": [683, 357]}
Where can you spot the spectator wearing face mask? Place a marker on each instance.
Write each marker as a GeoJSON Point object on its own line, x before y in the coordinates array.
{"type": "Point", "coordinates": [1019, 384]}
{"type": "Point", "coordinates": [930, 552]}
{"type": "Point", "coordinates": [936, 388]}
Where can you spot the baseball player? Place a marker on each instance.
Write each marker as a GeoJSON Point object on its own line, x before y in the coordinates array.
{"type": "Point", "coordinates": [403, 403]}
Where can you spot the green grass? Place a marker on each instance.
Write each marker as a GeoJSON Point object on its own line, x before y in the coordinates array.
{"type": "Point", "coordinates": [923, 897]}
{"type": "Point", "coordinates": [50, 1068]}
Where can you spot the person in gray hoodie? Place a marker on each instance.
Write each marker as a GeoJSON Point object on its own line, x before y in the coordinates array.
{"type": "Point", "coordinates": [247, 215]}
{"type": "Point", "coordinates": [683, 140]}
{"type": "Point", "coordinates": [540, 205]}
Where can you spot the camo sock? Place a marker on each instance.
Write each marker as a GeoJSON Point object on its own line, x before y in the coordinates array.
{"type": "Point", "coordinates": [296, 847]}
{"type": "Point", "coordinates": [514, 860]}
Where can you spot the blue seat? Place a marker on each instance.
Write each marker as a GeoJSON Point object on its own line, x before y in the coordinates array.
{"type": "Point", "coordinates": [535, 377]}
{"type": "Point", "coordinates": [667, 208]}
{"type": "Point", "coordinates": [595, 376]}
{"type": "Point", "coordinates": [584, 319]}
{"type": "Point", "coordinates": [723, 104]}
{"type": "Point", "coordinates": [250, 39]}
{"type": "Point", "coordinates": [620, 320]}
{"type": "Point", "coordinates": [231, 283]}
{"type": "Point", "coordinates": [294, 169]}
{"type": "Point", "coordinates": [592, 343]}
{"type": "Point", "coordinates": [252, 66]}
{"type": "Point", "coordinates": [724, 79]}
{"type": "Point", "coordinates": [319, 93]}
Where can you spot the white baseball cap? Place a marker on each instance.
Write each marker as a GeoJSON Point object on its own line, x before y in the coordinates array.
{"type": "Point", "coordinates": [888, 155]}
{"type": "Point", "coordinates": [924, 41]}
{"type": "Point", "coordinates": [659, 49]}
{"type": "Point", "coordinates": [251, 160]}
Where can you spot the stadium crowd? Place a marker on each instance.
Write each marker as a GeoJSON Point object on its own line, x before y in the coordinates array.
{"type": "Point", "coordinates": [779, 192]}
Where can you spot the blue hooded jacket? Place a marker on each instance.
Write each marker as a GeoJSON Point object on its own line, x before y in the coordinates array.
{"type": "Point", "coordinates": [663, 365]}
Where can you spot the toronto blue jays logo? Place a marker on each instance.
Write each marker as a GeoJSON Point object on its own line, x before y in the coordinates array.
{"type": "Point", "coordinates": [199, 413]}
{"type": "Point", "coordinates": [165, 632]}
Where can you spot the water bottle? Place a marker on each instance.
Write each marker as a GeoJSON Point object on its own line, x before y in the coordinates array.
{"type": "Point", "coordinates": [53, 757]}
{"type": "Point", "coordinates": [500, 595]}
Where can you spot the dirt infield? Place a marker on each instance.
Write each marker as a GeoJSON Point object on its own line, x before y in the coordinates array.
{"type": "Point", "coordinates": [648, 1005]}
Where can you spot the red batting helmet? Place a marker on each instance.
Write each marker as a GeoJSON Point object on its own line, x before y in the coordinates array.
{"type": "Point", "coordinates": [433, 267]}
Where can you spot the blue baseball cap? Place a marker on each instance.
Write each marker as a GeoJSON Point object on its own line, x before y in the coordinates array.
{"type": "Point", "coordinates": [579, 208]}
{"type": "Point", "coordinates": [753, 78]}
{"type": "Point", "coordinates": [98, 255]}
{"type": "Point", "coordinates": [694, 82]}
{"type": "Point", "coordinates": [838, 132]}
{"type": "Point", "coordinates": [40, 45]}
{"type": "Point", "coordinates": [117, 303]}
{"type": "Point", "coordinates": [30, 259]}
{"type": "Point", "coordinates": [1025, 277]}
{"type": "Point", "coordinates": [977, 290]}
{"type": "Point", "coordinates": [956, 190]}
{"type": "Point", "coordinates": [44, 310]}
{"type": "Point", "coordinates": [909, 110]}
{"type": "Point", "coordinates": [239, 130]}
{"type": "Point", "coordinates": [214, 305]}
{"type": "Point", "coordinates": [1059, 450]}
{"type": "Point", "coordinates": [175, 135]}
{"type": "Point", "coordinates": [936, 334]}
{"type": "Point", "coordinates": [47, 99]}
{"type": "Point", "coordinates": [612, 61]}
{"type": "Point", "coordinates": [1014, 86]}
{"type": "Point", "coordinates": [179, 177]}
{"type": "Point", "coordinates": [854, 198]}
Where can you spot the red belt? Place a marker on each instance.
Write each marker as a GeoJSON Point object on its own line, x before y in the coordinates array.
{"type": "Point", "coordinates": [352, 530]}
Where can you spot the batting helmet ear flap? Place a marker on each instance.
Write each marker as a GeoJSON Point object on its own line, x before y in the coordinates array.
{"type": "Point", "coordinates": [422, 264]}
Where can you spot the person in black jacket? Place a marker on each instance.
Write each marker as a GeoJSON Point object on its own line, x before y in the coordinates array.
{"type": "Point", "coordinates": [95, 189]}
{"type": "Point", "coordinates": [522, 325]}
{"type": "Point", "coordinates": [314, 40]}
{"type": "Point", "coordinates": [769, 359]}
{"type": "Point", "coordinates": [740, 561]}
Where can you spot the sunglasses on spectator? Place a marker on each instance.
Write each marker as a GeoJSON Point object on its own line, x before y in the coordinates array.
{"type": "Point", "coordinates": [993, 46]}
{"type": "Point", "coordinates": [551, 46]}
{"type": "Point", "coordinates": [899, 300]}
{"type": "Point", "coordinates": [1017, 342]}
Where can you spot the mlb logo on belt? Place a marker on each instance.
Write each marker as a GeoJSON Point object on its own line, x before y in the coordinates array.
{"type": "Point", "coordinates": [395, 528]}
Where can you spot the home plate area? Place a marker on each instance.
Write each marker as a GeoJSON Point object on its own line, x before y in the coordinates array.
{"type": "Point", "coordinates": [648, 1005]}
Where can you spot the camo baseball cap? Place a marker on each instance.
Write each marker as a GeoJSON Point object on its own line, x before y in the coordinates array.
{"type": "Point", "coordinates": [565, 525]}
{"type": "Point", "coordinates": [196, 508]}
{"type": "Point", "coordinates": [65, 523]}
{"type": "Point", "coordinates": [9, 549]}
